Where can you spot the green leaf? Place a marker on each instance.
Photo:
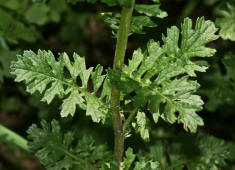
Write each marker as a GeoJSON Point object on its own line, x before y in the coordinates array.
{"type": "Point", "coordinates": [43, 73]}
{"type": "Point", "coordinates": [41, 13]}
{"type": "Point", "coordinates": [97, 77]}
{"type": "Point", "coordinates": [37, 14]}
{"type": "Point", "coordinates": [56, 151]}
{"type": "Point", "coordinates": [146, 164]}
{"type": "Point", "coordinates": [73, 1]}
{"type": "Point", "coordinates": [229, 63]}
{"type": "Point", "coordinates": [138, 23]}
{"type": "Point", "coordinates": [160, 77]}
{"type": "Point", "coordinates": [150, 10]}
{"type": "Point", "coordinates": [141, 125]}
{"type": "Point", "coordinates": [141, 164]}
{"type": "Point", "coordinates": [39, 1]}
{"type": "Point", "coordinates": [220, 87]}
{"type": "Point", "coordinates": [20, 31]}
{"type": "Point", "coordinates": [129, 158]}
{"type": "Point", "coordinates": [214, 149]}
{"type": "Point", "coordinates": [213, 153]}
{"type": "Point", "coordinates": [57, 7]}
{"type": "Point", "coordinates": [227, 21]}
{"type": "Point", "coordinates": [110, 2]}
{"type": "Point", "coordinates": [11, 4]}
{"type": "Point", "coordinates": [6, 56]}
{"type": "Point", "coordinates": [69, 104]}
{"type": "Point", "coordinates": [6, 20]}
{"type": "Point", "coordinates": [187, 152]}
{"type": "Point", "coordinates": [126, 3]}
{"type": "Point", "coordinates": [190, 152]}
{"type": "Point", "coordinates": [193, 40]}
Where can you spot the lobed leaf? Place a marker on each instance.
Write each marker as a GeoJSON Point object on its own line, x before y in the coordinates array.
{"type": "Point", "coordinates": [160, 77]}
{"type": "Point", "coordinates": [193, 41]}
{"type": "Point", "coordinates": [141, 164]}
{"type": "Point", "coordinates": [227, 20]}
{"type": "Point", "coordinates": [56, 150]}
{"type": "Point", "coordinates": [150, 10]}
{"type": "Point", "coordinates": [219, 88]}
{"type": "Point", "coordinates": [187, 152]}
{"type": "Point", "coordinates": [43, 73]}
{"type": "Point", "coordinates": [140, 125]}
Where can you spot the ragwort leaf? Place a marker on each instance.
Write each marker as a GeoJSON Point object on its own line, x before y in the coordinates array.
{"type": "Point", "coordinates": [160, 77]}
{"type": "Point", "coordinates": [43, 73]}
{"type": "Point", "coordinates": [56, 150]}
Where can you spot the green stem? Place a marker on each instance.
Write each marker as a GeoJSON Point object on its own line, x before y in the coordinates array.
{"type": "Point", "coordinates": [115, 94]}
{"type": "Point", "coordinates": [129, 119]}
{"type": "Point", "coordinates": [13, 137]}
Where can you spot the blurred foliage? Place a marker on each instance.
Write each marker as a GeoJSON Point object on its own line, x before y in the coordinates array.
{"type": "Point", "coordinates": [226, 11]}
{"type": "Point", "coordinates": [78, 26]}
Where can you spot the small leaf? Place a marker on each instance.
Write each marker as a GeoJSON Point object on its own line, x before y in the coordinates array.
{"type": "Point", "coordinates": [97, 77]}
{"type": "Point", "coordinates": [37, 14]}
{"type": "Point", "coordinates": [227, 21]}
{"type": "Point", "coordinates": [128, 159]}
{"type": "Point", "coordinates": [139, 22]}
{"type": "Point", "coordinates": [141, 125]}
{"type": "Point", "coordinates": [150, 10]}
{"type": "Point", "coordinates": [69, 104]}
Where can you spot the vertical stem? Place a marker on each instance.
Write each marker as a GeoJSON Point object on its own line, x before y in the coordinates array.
{"type": "Point", "coordinates": [115, 94]}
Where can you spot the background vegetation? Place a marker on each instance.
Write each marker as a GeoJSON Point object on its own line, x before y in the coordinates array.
{"type": "Point", "coordinates": [77, 27]}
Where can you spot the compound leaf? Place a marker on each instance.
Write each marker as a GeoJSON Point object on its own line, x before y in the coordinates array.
{"type": "Point", "coordinates": [187, 152]}
{"type": "Point", "coordinates": [43, 73]}
{"type": "Point", "coordinates": [160, 77]}
{"type": "Point", "coordinates": [56, 151]}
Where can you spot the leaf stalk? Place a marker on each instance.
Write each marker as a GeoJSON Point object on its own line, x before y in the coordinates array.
{"type": "Point", "coordinates": [129, 119]}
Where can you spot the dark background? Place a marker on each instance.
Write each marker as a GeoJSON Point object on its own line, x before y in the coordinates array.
{"type": "Point", "coordinates": [77, 28]}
